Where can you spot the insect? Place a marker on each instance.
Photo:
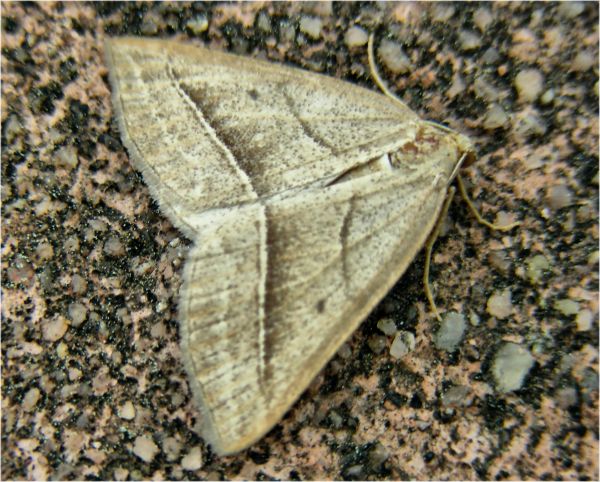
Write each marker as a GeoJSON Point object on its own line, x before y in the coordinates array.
{"type": "Point", "coordinates": [305, 197]}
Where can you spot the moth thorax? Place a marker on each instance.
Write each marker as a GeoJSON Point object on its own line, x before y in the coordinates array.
{"type": "Point", "coordinates": [429, 145]}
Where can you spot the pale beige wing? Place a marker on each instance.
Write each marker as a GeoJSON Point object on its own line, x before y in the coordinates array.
{"type": "Point", "coordinates": [330, 255]}
{"type": "Point", "coordinates": [210, 129]}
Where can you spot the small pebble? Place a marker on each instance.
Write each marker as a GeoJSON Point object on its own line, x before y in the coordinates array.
{"type": "Point", "coordinates": [21, 271]}
{"type": "Point", "coordinates": [120, 473]}
{"type": "Point", "coordinates": [311, 26]}
{"type": "Point", "coordinates": [171, 448]}
{"type": "Point", "coordinates": [451, 331]}
{"type": "Point", "coordinates": [378, 455]}
{"type": "Point", "coordinates": [387, 326]}
{"type": "Point", "coordinates": [44, 251]}
{"type": "Point", "coordinates": [71, 244]}
{"type": "Point", "coordinates": [583, 61]}
{"type": "Point", "coordinates": [485, 90]}
{"type": "Point", "coordinates": [442, 12]}
{"type": "Point", "coordinates": [345, 351]}
{"type": "Point", "coordinates": [354, 472]}
{"type": "Point", "coordinates": [536, 267]}
{"type": "Point", "coordinates": [393, 57]}
{"type": "Point", "coordinates": [510, 367]}
{"type": "Point", "coordinates": [559, 196]}
{"type": "Point", "coordinates": [197, 25]}
{"type": "Point", "coordinates": [567, 307]}
{"type": "Point", "coordinates": [377, 343]}
{"type": "Point", "coordinates": [78, 284]}
{"type": "Point", "coordinates": [469, 40]}
{"type": "Point", "coordinates": [566, 397]}
{"type": "Point", "coordinates": [584, 320]}
{"type": "Point", "coordinates": [500, 304]}
{"type": "Point", "coordinates": [150, 24]}
{"type": "Point", "coordinates": [145, 448]}
{"type": "Point", "coordinates": [287, 31]}
{"type": "Point", "coordinates": [335, 418]}
{"type": "Point", "coordinates": [529, 84]}
{"type": "Point", "coordinates": [495, 118]}
{"type": "Point", "coordinates": [356, 37]}
{"type": "Point", "coordinates": [193, 459]}
{"type": "Point", "coordinates": [491, 56]}
{"type": "Point", "coordinates": [455, 396]}
{"type": "Point", "coordinates": [482, 18]}
{"type": "Point", "coordinates": [55, 329]}
{"type": "Point", "coordinates": [263, 22]}
{"type": "Point", "coordinates": [77, 313]}
{"type": "Point", "coordinates": [404, 343]}
{"type": "Point", "coordinates": [31, 399]}
{"type": "Point", "coordinates": [114, 247]}
{"type": "Point", "coordinates": [547, 97]}
{"type": "Point", "coordinates": [127, 411]}
{"type": "Point", "coordinates": [528, 123]}
{"type": "Point", "coordinates": [570, 9]}
{"type": "Point", "coordinates": [499, 261]}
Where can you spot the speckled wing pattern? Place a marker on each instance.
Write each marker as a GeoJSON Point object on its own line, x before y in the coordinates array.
{"type": "Point", "coordinates": [306, 198]}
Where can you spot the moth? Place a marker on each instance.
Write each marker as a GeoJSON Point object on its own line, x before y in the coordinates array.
{"type": "Point", "coordinates": [305, 197]}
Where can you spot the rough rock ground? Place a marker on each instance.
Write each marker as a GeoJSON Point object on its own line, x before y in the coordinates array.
{"type": "Point", "coordinates": [92, 383]}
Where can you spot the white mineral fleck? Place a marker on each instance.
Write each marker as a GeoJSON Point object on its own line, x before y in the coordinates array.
{"type": "Point", "coordinates": [495, 118]}
{"type": "Point", "coordinates": [469, 40]}
{"type": "Point", "coordinates": [127, 411]}
{"type": "Point", "coordinates": [567, 307]}
{"type": "Point", "coordinates": [30, 399]}
{"type": "Point", "coordinates": [451, 331]}
{"type": "Point", "coordinates": [536, 266]}
{"type": "Point", "coordinates": [393, 57]}
{"type": "Point", "coordinates": [584, 320]}
{"type": "Point", "coordinates": [529, 84]}
{"type": "Point", "coordinates": [356, 37]}
{"type": "Point", "coordinates": [500, 304]}
{"type": "Point", "coordinates": [510, 367]}
{"type": "Point", "coordinates": [114, 247]}
{"type": "Point", "coordinates": [404, 342]}
{"type": "Point", "coordinates": [311, 26]}
{"type": "Point", "coordinates": [145, 448]}
{"type": "Point", "coordinates": [482, 18]}
{"type": "Point", "coordinates": [559, 196]}
{"type": "Point", "coordinates": [77, 313]}
{"type": "Point", "coordinates": [55, 329]}
{"type": "Point", "coordinates": [193, 459]}
{"type": "Point", "coordinates": [387, 326]}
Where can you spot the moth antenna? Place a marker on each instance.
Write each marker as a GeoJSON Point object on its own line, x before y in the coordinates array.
{"type": "Point", "coordinates": [429, 248]}
{"type": "Point", "coordinates": [375, 73]}
{"type": "Point", "coordinates": [475, 211]}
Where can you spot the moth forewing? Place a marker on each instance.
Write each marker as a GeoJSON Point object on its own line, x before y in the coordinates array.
{"type": "Point", "coordinates": [305, 197]}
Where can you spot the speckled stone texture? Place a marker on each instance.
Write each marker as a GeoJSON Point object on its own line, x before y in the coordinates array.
{"type": "Point", "coordinates": [92, 381]}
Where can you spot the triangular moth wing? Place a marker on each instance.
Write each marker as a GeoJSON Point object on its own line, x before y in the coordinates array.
{"type": "Point", "coordinates": [298, 228]}
{"type": "Point", "coordinates": [330, 255]}
{"type": "Point", "coordinates": [194, 119]}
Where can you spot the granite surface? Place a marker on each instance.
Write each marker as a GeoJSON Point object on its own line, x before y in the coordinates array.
{"type": "Point", "coordinates": [504, 388]}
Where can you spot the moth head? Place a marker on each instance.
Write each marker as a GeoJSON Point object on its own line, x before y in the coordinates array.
{"type": "Point", "coordinates": [465, 148]}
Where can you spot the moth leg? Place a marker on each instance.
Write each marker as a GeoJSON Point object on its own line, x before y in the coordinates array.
{"type": "Point", "coordinates": [429, 248]}
{"type": "Point", "coordinates": [475, 211]}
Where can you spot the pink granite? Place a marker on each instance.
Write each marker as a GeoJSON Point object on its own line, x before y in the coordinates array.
{"type": "Point", "coordinates": [92, 380]}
